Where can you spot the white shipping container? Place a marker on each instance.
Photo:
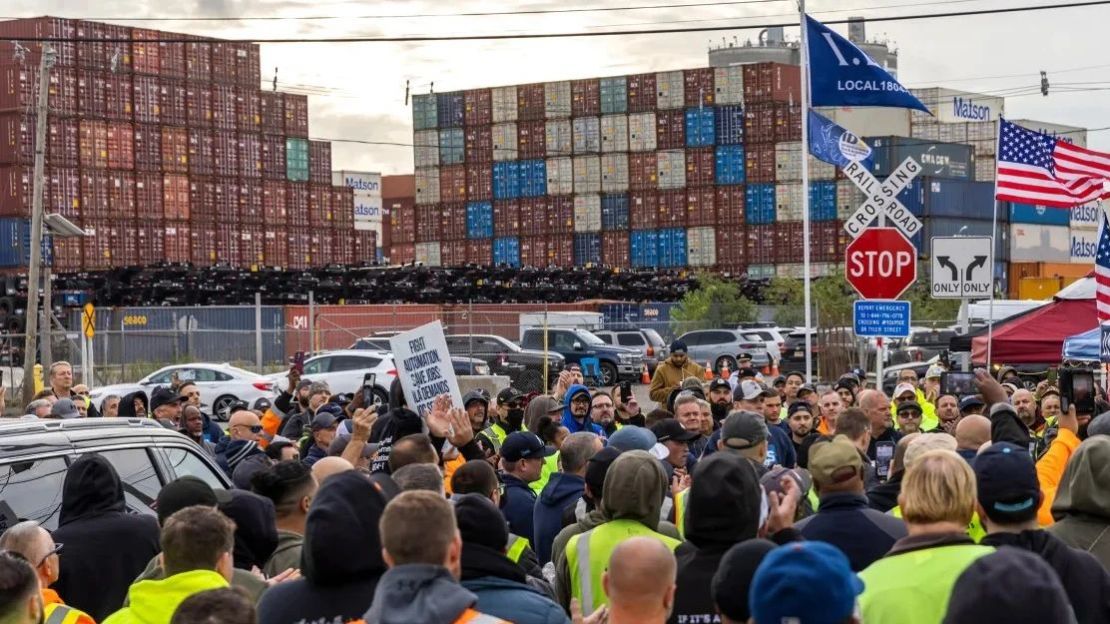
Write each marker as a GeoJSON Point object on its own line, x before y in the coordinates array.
{"type": "Point", "coordinates": [587, 135]}
{"type": "Point", "coordinates": [870, 121]}
{"type": "Point", "coordinates": [556, 99]}
{"type": "Point", "coordinates": [953, 132]}
{"type": "Point", "coordinates": [820, 170]}
{"type": "Point", "coordinates": [669, 90]}
{"type": "Point", "coordinates": [728, 84]}
{"type": "Point", "coordinates": [560, 176]}
{"type": "Point", "coordinates": [559, 138]}
{"type": "Point", "coordinates": [1083, 246]}
{"type": "Point", "coordinates": [425, 148]}
{"type": "Point", "coordinates": [788, 202]}
{"type": "Point", "coordinates": [925, 131]}
{"type": "Point", "coordinates": [428, 254]}
{"type": "Point", "coordinates": [1071, 134]}
{"type": "Point", "coordinates": [427, 185]}
{"type": "Point", "coordinates": [671, 165]}
{"type": "Point", "coordinates": [504, 141]}
{"type": "Point", "coordinates": [614, 133]}
{"type": "Point", "coordinates": [982, 131]}
{"type": "Point", "coordinates": [1086, 217]}
{"type": "Point", "coordinates": [641, 132]}
{"type": "Point", "coordinates": [1039, 243]}
{"type": "Point", "coordinates": [984, 169]}
{"type": "Point", "coordinates": [953, 106]}
{"type": "Point", "coordinates": [701, 246]}
{"type": "Point", "coordinates": [614, 173]}
{"type": "Point", "coordinates": [587, 213]}
{"type": "Point", "coordinates": [504, 104]}
{"type": "Point", "coordinates": [816, 269]}
{"type": "Point", "coordinates": [788, 161]}
{"type": "Point", "coordinates": [587, 174]}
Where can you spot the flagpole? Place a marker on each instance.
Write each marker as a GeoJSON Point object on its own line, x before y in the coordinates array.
{"type": "Point", "coordinates": [994, 239]}
{"type": "Point", "coordinates": [804, 60]}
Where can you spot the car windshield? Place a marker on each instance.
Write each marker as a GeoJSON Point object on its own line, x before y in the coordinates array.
{"type": "Point", "coordinates": [588, 338]}
{"type": "Point", "coordinates": [239, 372]}
{"type": "Point", "coordinates": [654, 338]}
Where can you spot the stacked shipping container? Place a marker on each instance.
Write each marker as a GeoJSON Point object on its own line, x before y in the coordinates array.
{"type": "Point", "coordinates": [163, 147]}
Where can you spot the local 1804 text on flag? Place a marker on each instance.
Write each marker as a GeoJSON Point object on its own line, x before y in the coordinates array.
{"type": "Point", "coordinates": [1035, 168]}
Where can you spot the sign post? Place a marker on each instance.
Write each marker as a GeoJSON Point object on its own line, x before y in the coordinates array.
{"type": "Point", "coordinates": [88, 330]}
{"type": "Point", "coordinates": [881, 263]}
{"type": "Point", "coordinates": [961, 267]}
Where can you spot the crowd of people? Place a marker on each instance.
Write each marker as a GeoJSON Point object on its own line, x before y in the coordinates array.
{"type": "Point", "coordinates": [740, 499]}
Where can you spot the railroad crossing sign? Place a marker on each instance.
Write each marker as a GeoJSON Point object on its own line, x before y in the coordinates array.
{"type": "Point", "coordinates": [961, 267]}
{"type": "Point", "coordinates": [881, 263]}
{"type": "Point", "coordinates": [88, 320]}
{"type": "Point", "coordinates": [882, 199]}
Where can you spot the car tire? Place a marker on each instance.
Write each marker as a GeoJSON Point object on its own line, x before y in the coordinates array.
{"type": "Point", "coordinates": [381, 397]}
{"type": "Point", "coordinates": [220, 405]}
{"type": "Point", "coordinates": [722, 361]}
{"type": "Point", "coordinates": [609, 375]}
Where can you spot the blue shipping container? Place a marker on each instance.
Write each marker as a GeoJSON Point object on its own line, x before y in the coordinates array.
{"type": "Point", "coordinates": [672, 247]}
{"type": "Point", "coordinates": [450, 110]}
{"type": "Point", "coordinates": [533, 178]}
{"type": "Point", "coordinates": [15, 244]}
{"type": "Point", "coordinates": [451, 144]}
{"type": "Point", "coordinates": [587, 249]}
{"type": "Point", "coordinates": [614, 212]}
{"type": "Point", "coordinates": [822, 201]}
{"type": "Point", "coordinates": [506, 180]}
{"type": "Point", "coordinates": [424, 115]}
{"type": "Point", "coordinates": [759, 204]}
{"type": "Point", "coordinates": [730, 125]}
{"type": "Point", "coordinates": [645, 248]}
{"type": "Point", "coordinates": [614, 95]}
{"type": "Point", "coordinates": [729, 165]}
{"type": "Point", "coordinates": [1040, 215]}
{"type": "Point", "coordinates": [506, 250]}
{"type": "Point", "coordinates": [479, 219]}
{"type": "Point", "coordinates": [938, 160]}
{"type": "Point", "coordinates": [961, 198]}
{"type": "Point", "coordinates": [700, 126]}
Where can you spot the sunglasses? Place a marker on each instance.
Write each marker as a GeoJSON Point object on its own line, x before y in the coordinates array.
{"type": "Point", "coordinates": [908, 415]}
{"type": "Point", "coordinates": [253, 428]}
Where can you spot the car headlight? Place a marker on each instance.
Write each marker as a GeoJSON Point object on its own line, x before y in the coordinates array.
{"type": "Point", "coordinates": [628, 358]}
{"type": "Point", "coordinates": [481, 369]}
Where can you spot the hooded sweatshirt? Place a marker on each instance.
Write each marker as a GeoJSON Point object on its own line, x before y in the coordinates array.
{"type": "Point", "coordinates": [127, 404]}
{"type": "Point", "coordinates": [341, 559]}
{"type": "Point", "coordinates": [256, 535]}
{"type": "Point", "coordinates": [563, 491]}
{"type": "Point", "coordinates": [105, 546]}
{"type": "Point", "coordinates": [153, 602]}
{"type": "Point", "coordinates": [1082, 505]}
{"type": "Point", "coordinates": [501, 589]}
{"type": "Point", "coordinates": [418, 593]}
{"type": "Point", "coordinates": [395, 424]}
{"type": "Point", "coordinates": [569, 421]}
{"type": "Point", "coordinates": [722, 510]}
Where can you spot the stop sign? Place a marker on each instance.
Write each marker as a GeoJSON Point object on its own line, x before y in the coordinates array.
{"type": "Point", "coordinates": [881, 263]}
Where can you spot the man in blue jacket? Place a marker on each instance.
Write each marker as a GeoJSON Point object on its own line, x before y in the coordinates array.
{"type": "Point", "coordinates": [576, 411]}
{"type": "Point", "coordinates": [522, 455]}
{"type": "Point", "coordinates": [563, 491]}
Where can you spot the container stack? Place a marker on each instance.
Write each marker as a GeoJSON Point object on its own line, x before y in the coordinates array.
{"type": "Point", "coordinates": [162, 147]}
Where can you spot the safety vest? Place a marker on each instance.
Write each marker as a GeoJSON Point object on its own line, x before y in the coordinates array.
{"type": "Point", "coordinates": [58, 613]}
{"type": "Point", "coordinates": [680, 511]}
{"type": "Point", "coordinates": [470, 616]}
{"type": "Point", "coordinates": [516, 547]}
{"type": "Point", "coordinates": [588, 557]}
{"type": "Point", "coordinates": [975, 528]}
{"type": "Point", "coordinates": [496, 435]}
{"type": "Point", "coordinates": [550, 467]}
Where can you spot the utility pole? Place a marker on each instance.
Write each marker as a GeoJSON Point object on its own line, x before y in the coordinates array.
{"type": "Point", "coordinates": [38, 186]}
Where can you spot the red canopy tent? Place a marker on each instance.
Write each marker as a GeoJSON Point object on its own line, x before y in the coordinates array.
{"type": "Point", "coordinates": [1037, 337]}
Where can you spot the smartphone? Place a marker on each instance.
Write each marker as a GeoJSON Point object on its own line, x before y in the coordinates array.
{"type": "Point", "coordinates": [1077, 387]}
{"type": "Point", "coordinates": [884, 456]}
{"type": "Point", "coordinates": [626, 392]}
{"type": "Point", "coordinates": [958, 383]}
{"type": "Point", "coordinates": [368, 382]}
{"type": "Point", "coordinates": [298, 362]}
{"type": "Point", "coordinates": [1052, 375]}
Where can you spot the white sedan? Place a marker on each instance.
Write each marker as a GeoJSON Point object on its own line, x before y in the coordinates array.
{"type": "Point", "coordinates": [345, 370]}
{"type": "Point", "coordinates": [220, 385]}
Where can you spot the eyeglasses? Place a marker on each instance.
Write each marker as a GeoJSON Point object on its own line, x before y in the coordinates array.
{"type": "Point", "coordinates": [581, 399]}
{"type": "Point", "coordinates": [57, 549]}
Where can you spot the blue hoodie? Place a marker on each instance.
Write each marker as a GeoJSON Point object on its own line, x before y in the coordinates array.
{"type": "Point", "coordinates": [562, 491]}
{"type": "Point", "coordinates": [569, 422]}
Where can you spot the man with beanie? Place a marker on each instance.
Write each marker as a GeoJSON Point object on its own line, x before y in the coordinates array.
{"type": "Point", "coordinates": [733, 579]}
{"type": "Point", "coordinates": [806, 583]}
{"type": "Point", "coordinates": [1011, 586]}
{"type": "Point", "coordinates": [499, 583]}
{"type": "Point", "coordinates": [522, 459]}
{"type": "Point", "coordinates": [720, 400]}
{"type": "Point", "coordinates": [1008, 498]}
{"type": "Point", "coordinates": [670, 374]}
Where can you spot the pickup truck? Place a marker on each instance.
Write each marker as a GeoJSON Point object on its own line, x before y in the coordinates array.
{"type": "Point", "coordinates": [614, 364]}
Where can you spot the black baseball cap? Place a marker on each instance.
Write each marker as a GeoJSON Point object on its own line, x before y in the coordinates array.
{"type": "Point", "coordinates": [164, 396]}
{"type": "Point", "coordinates": [743, 430]}
{"type": "Point", "coordinates": [1007, 483]}
{"type": "Point", "coordinates": [261, 404]}
{"type": "Point", "coordinates": [799, 406]}
{"type": "Point", "coordinates": [969, 402]}
{"type": "Point", "coordinates": [520, 445]}
{"type": "Point", "coordinates": [508, 395]}
{"type": "Point", "coordinates": [186, 492]}
{"type": "Point", "coordinates": [718, 383]}
{"type": "Point", "coordinates": [670, 429]}
{"type": "Point", "coordinates": [746, 372]}
{"type": "Point", "coordinates": [323, 420]}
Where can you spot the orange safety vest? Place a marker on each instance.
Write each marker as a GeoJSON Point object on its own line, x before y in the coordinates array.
{"type": "Point", "coordinates": [470, 616]}
{"type": "Point", "coordinates": [54, 611]}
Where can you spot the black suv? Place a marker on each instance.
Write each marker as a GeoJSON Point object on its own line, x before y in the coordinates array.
{"type": "Point", "coordinates": [523, 366]}
{"type": "Point", "coordinates": [35, 454]}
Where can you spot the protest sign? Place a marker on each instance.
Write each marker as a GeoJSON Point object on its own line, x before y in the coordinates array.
{"type": "Point", "coordinates": [424, 367]}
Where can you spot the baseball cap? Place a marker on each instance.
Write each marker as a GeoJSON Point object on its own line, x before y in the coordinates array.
{"type": "Point", "coordinates": [805, 582]}
{"type": "Point", "coordinates": [1012, 387]}
{"type": "Point", "coordinates": [903, 388]}
{"type": "Point", "coordinates": [323, 420]}
{"type": "Point", "coordinates": [678, 346]}
{"type": "Point", "coordinates": [906, 406]}
{"type": "Point", "coordinates": [1010, 585]}
{"type": "Point", "coordinates": [632, 438]}
{"type": "Point", "coordinates": [164, 396]}
{"type": "Point", "coordinates": [934, 372]}
{"type": "Point", "coordinates": [508, 395]}
{"type": "Point", "coordinates": [734, 577]}
{"type": "Point", "coordinates": [262, 404]}
{"type": "Point", "coordinates": [186, 492]}
{"type": "Point", "coordinates": [64, 408]}
{"type": "Point", "coordinates": [743, 430]}
{"type": "Point", "coordinates": [777, 381]}
{"type": "Point", "coordinates": [806, 388]}
{"type": "Point", "coordinates": [799, 406]}
{"type": "Point", "coordinates": [834, 461]}
{"type": "Point", "coordinates": [670, 429]}
{"type": "Point", "coordinates": [746, 372]}
{"type": "Point", "coordinates": [718, 383]}
{"type": "Point", "coordinates": [971, 401]}
{"type": "Point", "coordinates": [1007, 481]}
{"type": "Point", "coordinates": [476, 395]}
{"type": "Point", "coordinates": [747, 390]}
{"type": "Point", "coordinates": [339, 444]}
{"type": "Point", "coordinates": [772, 479]}
{"type": "Point", "coordinates": [520, 445]}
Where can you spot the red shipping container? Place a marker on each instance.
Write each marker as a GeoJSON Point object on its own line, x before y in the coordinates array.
{"type": "Point", "coordinates": [15, 191]}
{"type": "Point", "coordinates": [615, 250]}
{"type": "Point", "coordinates": [227, 244]}
{"type": "Point", "coordinates": [223, 62]}
{"type": "Point", "coordinates": [247, 105]}
{"type": "Point", "coordinates": [701, 206]}
{"type": "Point", "coordinates": [479, 182]}
{"type": "Point", "coordinates": [94, 194]}
{"type": "Point", "coordinates": [530, 103]}
{"type": "Point", "coordinates": [319, 205]}
{"type": "Point", "coordinates": [453, 220]}
{"type": "Point", "coordinates": [343, 249]}
{"type": "Point", "coordinates": [93, 141]}
{"type": "Point", "coordinates": [402, 222]}
{"type": "Point", "coordinates": [429, 224]}
{"type": "Point", "coordinates": [506, 218]}
{"type": "Point", "coordinates": [202, 156]}
{"type": "Point", "coordinates": [273, 203]}
{"type": "Point", "coordinates": [699, 166]}
{"type": "Point", "coordinates": [117, 50]}
{"type": "Point", "coordinates": [698, 85]}
{"type": "Point", "coordinates": [533, 251]}
{"type": "Point", "coordinates": [296, 205]}
{"type": "Point", "coordinates": [296, 115]}
{"type": "Point", "coordinates": [479, 251]}
{"type": "Point", "coordinates": [145, 51]}
{"type": "Point", "coordinates": [198, 104]}
{"type": "Point", "coordinates": [251, 205]}
{"type": "Point", "coordinates": [479, 107]}
{"type": "Point", "coordinates": [670, 129]}
{"type": "Point", "coordinates": [760, 244]}
{"type": "Point", "coordinates": [146, 94]}
{"type": "Point", "coordinates": [152, 241]}
{"type": "Point", "coordinates": [343, 207]}
{"type": "Point", "coordinates": [772, 82]}
{"type": "Point", "coordinates": [276, 248]}
{"type": "Point", "coordinates": [641, 93]}
{"type": "Point", "coordinates": [731, 249]}
{"type": "Point", "coordinates": [121, 194]}
{"type": "Point", "coordinates": [560, 251]}
{"type": "Point", "coordinates": [672, 208]}
{"type": "Point", "coordinates": [248, 65]}
{"type": "Point", "coordinates": [403, 254]}
{"type": "Point", "coordinates": [97, 245]}
{"type": "Point", "coordinates": [789, 244]}
{"type": "Point", "coordinates": [560, 215]}
{"type": "Point", "coordinates": [643, 210]}
{"type": "Point", "coordinates": [642, 171]}
{"type": "Point", "coordinates": [121, 145]}
{"type": "Point", "coordinates": [788, 123]}
{"type": "Point", "coordinates": [319, 162]}
{"type": "Point", "coordinates": [202, 200]}
{"type": "Point", "coordinates": [452, 253]}
{"type": "Point", "coordinates": [19, 90]}
{"type": "Point", "coordinates": [250, 155]}
{"type": "Point", "coordinates": [730, 206]}
{"type": "Point", "coordinates": [178, 243]}
{"type": "Point", "coordinates": [64, 143]}
{"type": "Point", "coordinates": [252, 246]}
{"type": "Point", "coordinates": [118, 90]}
{"type": "Point", "coordinates": [148, 196]}
{"type": "Point", "coordinates": [452, 183]}
{"type": "Point", "coordinates": [478, 146]}
{"type": "Point", "coordinates": [175, 150]}
{"type": "Point", "coordinates": [531, 139]}
{"type": "Point", "coordinates": [92, 94]}
{"type": "Point", "coordinates": [125, 245]}
{"type": "Point", "coordinates": [63, 99]}
{"type": "Point", "coordinates": [271, 110]}
{"type": "Point", "coordinates": [223, 107]}
{"type": "Point", "coordinates": [67, 254]}
{"type": "Point", "coordinates": [90, 52]}
{"type": "Point", "coordinates": [759, 162]}
{"type": "Point", "coordinates": [273, 157]}
{"type": "Point", "coordinates": [759, 124]}
{"type": "Point", "coordinates": [171, 56]}
{"type": "Point", "coordinates": [41, 27]}
{"type": "Point", "coordinates": [203, 237]}
{"type": "Point", "coordinates": [175, 196]}
{"type": "Point", "coordinates": [225, 153]}
{"type": "Point", "coordinates": [63, 192]}
{"type": "Point", "coordinates": [17, 137]}
{"type": "Point", "coordinates": [825, 241]}
{"type": "Point", "coordinates": [585, 97]}
{"type": "Point", "coordinates": [533, 216]}
{"type": "Point", "coordinates": [173, 98]}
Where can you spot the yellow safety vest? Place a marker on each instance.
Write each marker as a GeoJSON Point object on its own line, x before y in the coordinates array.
{"type": "Point", "coordinates": [550, 467]}
{"type": "Point", "coordinates": [57, 613]}
{"type": "Point", "coordinates": [517, 544]}
{"type": "Point", "coordinates": [680, 511]}
{"type": "Point", "coordinates": [496, 434]}
{"type": "Point", "coordinates": [975, 528]}
{"type": "Point", "coordinates": [588, 557]}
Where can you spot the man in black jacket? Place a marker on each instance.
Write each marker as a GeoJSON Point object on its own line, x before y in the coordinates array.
{"type": "Point", "coordinates": [1009, 496]}
{"type": "Point", "coordinates": [884, 496]}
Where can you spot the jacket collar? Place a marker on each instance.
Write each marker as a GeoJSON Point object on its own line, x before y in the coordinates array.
{"type": "Point", "coordinates": [843, 500]}
{"type": "Point", "coordinates": [932, 540]}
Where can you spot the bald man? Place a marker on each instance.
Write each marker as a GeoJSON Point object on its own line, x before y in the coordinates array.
{"type": "Point", "coordinates": [328, 466]}
{"type": "Point", "coordinates": [36, 545]}
{"type": "Point", "coordinates": [973, 432]}
{"type": "Point", "coordinates": [244, 425]}
{"type": "Point", "coordinates": [635, 597]}
{"type": "Point", "coordinates": [1026, 407]}
{"type": "Point", "coordinates": [883, 436]}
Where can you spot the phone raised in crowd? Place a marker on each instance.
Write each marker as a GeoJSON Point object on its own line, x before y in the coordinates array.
{"type": "Point", "coordinates": [1077, 387]}
{"type": "Point", "coordinates": [298, 362]}
{"type": "Point", "coordinates": [626, 391]}
{"type": "Point", "coordinates": [369, 380]}
{"type": "Point", "coordinates": [958, 383]}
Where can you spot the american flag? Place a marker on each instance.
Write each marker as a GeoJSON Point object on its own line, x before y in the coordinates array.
{"type": "Point", "coordinates": [1102, 270]}
{"type": "Point", "coordinates": [1039, 169]}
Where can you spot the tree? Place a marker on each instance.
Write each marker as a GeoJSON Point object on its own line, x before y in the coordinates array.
{"type": "Point", "coordinates": [714, 303]}
{"type": "Point", "coordinates": [786, 294]}
{"type": "Point", "coordinates": [833, 297]}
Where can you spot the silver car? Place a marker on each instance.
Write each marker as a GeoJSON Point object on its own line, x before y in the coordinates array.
{"type": "Point", "coordinates": [719, 347]}
{"type": "Point", "coordinates": [647, 341]}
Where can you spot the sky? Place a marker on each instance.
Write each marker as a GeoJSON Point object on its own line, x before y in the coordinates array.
{"type": "Point", "coordinates": [357, 90]}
